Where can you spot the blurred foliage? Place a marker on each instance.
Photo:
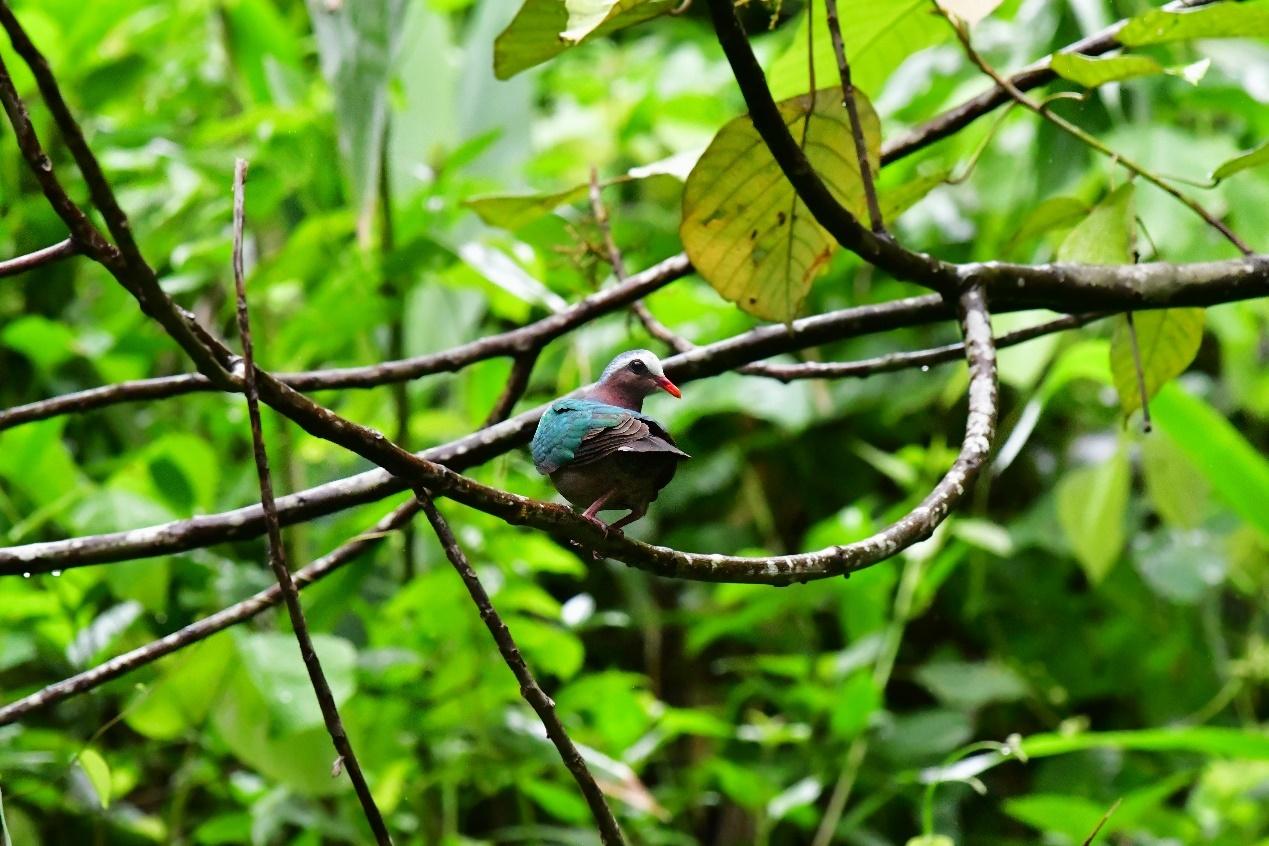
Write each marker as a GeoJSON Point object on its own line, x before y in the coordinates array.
{"type": "Point", "coordinates": [1101, 596]}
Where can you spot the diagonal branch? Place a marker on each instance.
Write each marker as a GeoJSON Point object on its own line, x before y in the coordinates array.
{"type": "Point", "coordinates": [277, 552]}
{"type": "Point", "coordinates": [1091, 141]}
{"type": "Point", "coordinates": [1033, 76]}
{"type": "Point", "coordinates": [39, 258]}
{"type": "Point", "coordinates": [609, 831]}
{"type": "Point", "coordinates": [852, 111]}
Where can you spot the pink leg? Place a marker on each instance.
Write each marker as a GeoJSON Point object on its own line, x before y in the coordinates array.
{"type": "Point", "coordinates": [634, 514]}
{"type": "Point", "coordinates": [595, 506]}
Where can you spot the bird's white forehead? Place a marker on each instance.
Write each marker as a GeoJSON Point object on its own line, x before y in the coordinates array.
{"type": "Point", "coordinates": [646, 356]}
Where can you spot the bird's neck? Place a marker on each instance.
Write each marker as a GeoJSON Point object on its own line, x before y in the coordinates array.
{"type": "Point", "coordinates": [616, 395]}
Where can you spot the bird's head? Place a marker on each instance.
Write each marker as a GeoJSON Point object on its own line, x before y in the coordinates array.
{"type": "Point", "coordinates": [633, 375]}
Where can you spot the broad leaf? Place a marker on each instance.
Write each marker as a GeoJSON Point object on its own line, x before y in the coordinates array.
{"type": "Point", "coordinates": [1091, 505]}
{"type": "Point", "coordinates": [1167, 339]}
{"type": "Point", "coordinates": [1205, 740]}
{"type": "Point", "coordinates": [357, 44]}
{"type": "Point", "coordinates": [744, 228]}
{"type": "Point", "coordinates": [1254, 158]}
{"type": "Point", "coordinates": [1053, 213]}
{"type": "Point", "coordinates": [1091, 71]}
{"type": "Point", "coordinates": [877, 36]}
{"type": "Point", "coordinates": [543, 29]}
{"type": "Point", "coordinates": [1219, 20]}
{"type": "Point", "coordinates": [511, 211]}
{"type": "Point", "coordinates": [897, 200]}
{"type": "Point", "coordinates": [1106, 235]}
{"type": "Point", "coordinates": [970, 11]}
{"type": "Point", "coordinates": [1179, 492]}
{"type": "Point", "coordinates": [1238, 472]}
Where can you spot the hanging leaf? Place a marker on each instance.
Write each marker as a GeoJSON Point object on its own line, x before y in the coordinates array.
{"type": "Point", "coordinates": [877, 36]}
{"type": "Point", "coordinates": [1053, 213]}
{"type": "Point", "coordinates": [1219, 20]}
{"type": "Point", "coordinates": [897, 200]}
{"type": "Point", "coordinates": [744, 228]}
{"type": "Point", "coordinates": [1092, 71]}
{"type": "Point", "coordinates": [511, 211]}
{"type": "Point", "coordinates": [1248, 160]}
{"type": "Point", "coordinates": [1106, 235]}
{"type": "Point", "coordinates": [543, 29]}
{"type": "Point", "coordinates": [1091, 505]}
{"type": "Point", "coordinates": [357, 44]}
{"type": "Point", "coordinates": [98, 772]}
{"type": "Point", "coordinates": [1167, 339]}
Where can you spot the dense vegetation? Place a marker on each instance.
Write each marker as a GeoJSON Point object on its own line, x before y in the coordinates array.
{"type": "Point", "coordinates": [1087, 628]}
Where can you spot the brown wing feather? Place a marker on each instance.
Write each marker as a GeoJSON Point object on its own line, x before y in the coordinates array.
{"type": "Point", "coordinates": [600, 442]}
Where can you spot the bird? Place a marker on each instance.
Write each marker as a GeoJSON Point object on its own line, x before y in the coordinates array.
{"type": "Point", "coordinates": [599, 448]}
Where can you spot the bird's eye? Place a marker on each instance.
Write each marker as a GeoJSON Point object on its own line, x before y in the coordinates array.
{"type": "Point", "coordinates": [637, 366]}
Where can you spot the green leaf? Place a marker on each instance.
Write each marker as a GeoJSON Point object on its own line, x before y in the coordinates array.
{"type": "Point", "coordinates": [272, 661]}
{"type": "Point", "coordinates": [543, 29]}
{"type": "Point", "coordinates": [1106, 235]}
{"type": "Point", "coordinates": [1179, 492]}
{"type": "Point", "coordinates": [1181, 566]}
{"type": "Point", "coordinates": [969, 685]}
{"type": "Point", "coordinates": [562, 803]}
{"type": "Point", "coordinates": [931, 840]}
{"type": "Point", "coordinates": [1219, 20]}
{"type": "Point", "coordinates": [1077, 817]}
{"type": "Point", "coordinates": [1092, 71]}
{"type": "Point", "coordinates": [854, 703]}
{"type": "Point", "coordinates": [98, 772]}
{"type": "Point", "coordinates": [744, 228]}
{"type": "Point", "coordinates": [1205, 740]}
{"type": "Point", "coordinates": [1237, 471]}
{"type": "Point", "coordinates": [970, 11]}
{"type": "Point", "coordinates": [1092, 503]}
{"type": "Point", "coordinates": [1245, 161]}
{"type": "Point", "coordinates": [46, 343]}
{"type": "Point", "coordinates": [897, 200]}
{"type": "Point", "coordinates": [1053, 213]}
{"type": "Point", "coordinates": [511, 211]}
{"type": "Point", "coordinates": [1168, 340]}
{"type": "Point", "coordinates": [877, 36]}
{"type": "Point", "coordinates": [357, 44]}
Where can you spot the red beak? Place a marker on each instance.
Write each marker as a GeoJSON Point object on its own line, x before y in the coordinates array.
{"type": "Point", "coordinates": [669, 387]}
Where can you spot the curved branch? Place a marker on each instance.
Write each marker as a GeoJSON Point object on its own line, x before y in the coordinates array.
{"type": "Point", "coordinates": [48, 255]}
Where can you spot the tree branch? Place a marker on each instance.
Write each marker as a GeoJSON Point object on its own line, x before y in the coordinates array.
{"type": "Point", "coordinates": [962, 35]}
{"type": "Point", "coordinates": [517, 384]}
{"type": "Point", "coordinates": [39, 258]}
{"type": "Point", "coordinates": [277, 552]}
{"type": "Point", "coordinates": [1033, 76]}
{"type": "Point", "coordinates": [609, 831]}
{"type": "Point", "coordinates": [852, 111]}
{"type": "Point", "coordinates": [237, 613]}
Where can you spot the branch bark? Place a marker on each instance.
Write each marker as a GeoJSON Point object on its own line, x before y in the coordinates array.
{"type": "Point", "coordinates": [277, 551]}
{"type": "Point", "coordinates": [39, 258]}
{"type": "Point", "coordinates": [543, 705]}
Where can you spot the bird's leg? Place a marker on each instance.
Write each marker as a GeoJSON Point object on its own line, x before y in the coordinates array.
{"type": "Point", "coordinates": [590, 513]}
{"type": "Point", "coordinates": [635, 514]}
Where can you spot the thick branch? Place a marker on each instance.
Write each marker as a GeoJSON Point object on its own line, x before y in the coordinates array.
{"type": "Point", "coordinates": [39, 258]}
{"type": "Point", "coordinates": [277, 552]}
{"type": "Point", "coordinates": [609, 831]}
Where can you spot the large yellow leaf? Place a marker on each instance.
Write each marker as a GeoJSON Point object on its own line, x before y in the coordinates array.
{"type": "Point", "coordinates": [743, 227]}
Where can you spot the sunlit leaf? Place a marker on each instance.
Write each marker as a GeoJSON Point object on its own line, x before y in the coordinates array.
{"type": "Point", "coordinates": [1245, 161]}
{"type": "Point", "coordinates": [970, 11]}
{"type": "Point", "coordinates": [1237, 471]}
{"type": "Point", "coordinates": [543, 29]}
{"type": "Point", "coordinates": [895, 201]}
{"type": "Point", "coordinates": [877, 36]}
{"type": "Point", "coordinates": [1106, 235]}
{"type": "Point", "coordinates": [744, 228]}
{"type": "Point", "coordinates": [98, 772]}
{"type": "Point", "coordinates": [1167, 340]}
{"type": "Point", "coordinates": [1092, 71]}
{"type": "Point", "coordinates": [1219, 20]}
{"type": "Point", "coordinates": [1092, 503]}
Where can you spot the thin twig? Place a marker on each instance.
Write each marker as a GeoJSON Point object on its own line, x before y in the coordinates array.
{"type": "Point", "coordinates": [48, 255]}
{"type": "Point", "coordinates": [234, 614]}
{"type": "Point", "coordinates": [277, 553]}
{"type": "Point", "coordinates": [962, 35]}
{"type": "Point", "coordinates": [852, 111]}
{"type": "Point", "coordinates": [1088, 841]}
{"type": "Point", "coordinates": [1141, 373]}
{"type": "Point", "coordinates": [1033, 76]}
{"type": "Point", "coordinates": [517, 384]}
{"type": "Point", "coordinates": [609, 831]}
